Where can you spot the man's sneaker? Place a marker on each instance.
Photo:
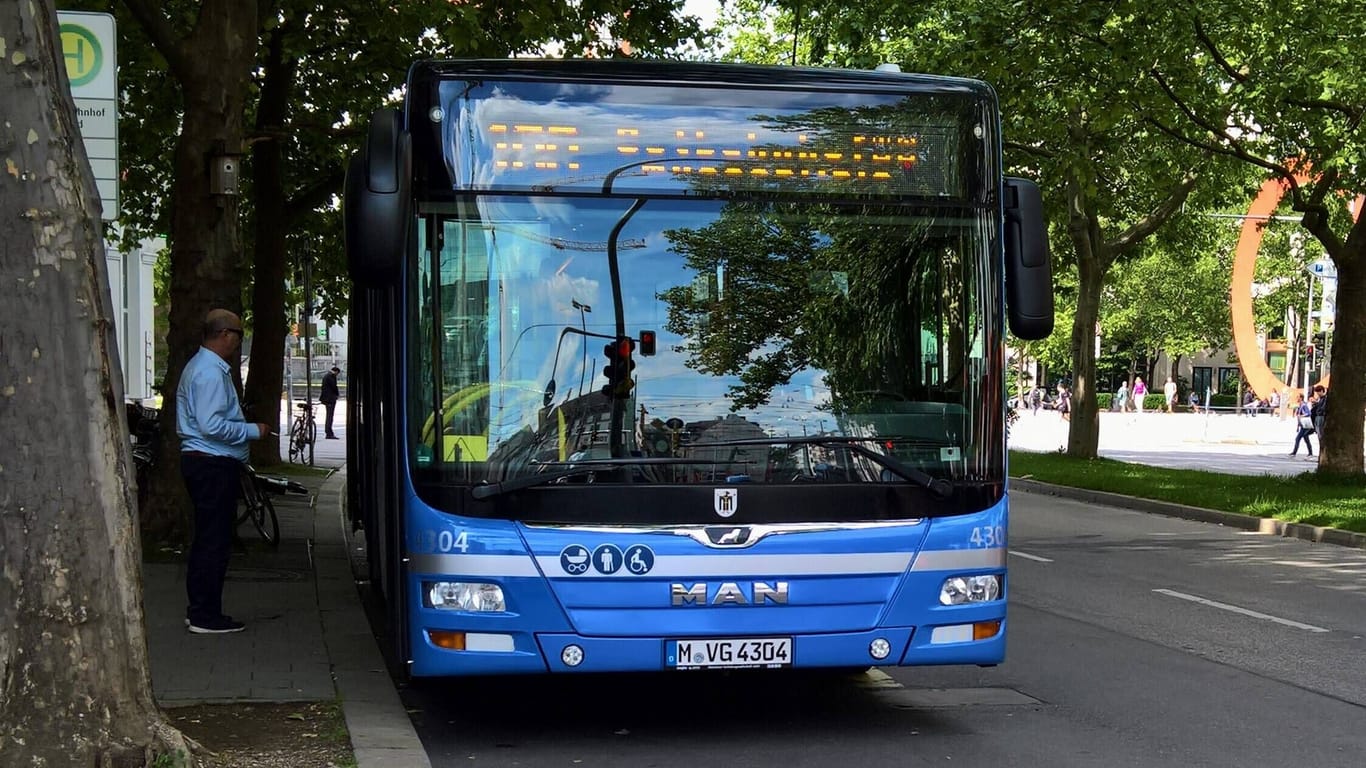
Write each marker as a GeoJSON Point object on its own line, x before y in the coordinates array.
{"type": "Point", "coordinates": [187, 619]}
{"type": "Point", "coordinates": [219, 626]}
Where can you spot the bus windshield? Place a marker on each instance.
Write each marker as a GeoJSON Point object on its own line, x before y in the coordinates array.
{"type": "Point", "coordinates": [787, 295]}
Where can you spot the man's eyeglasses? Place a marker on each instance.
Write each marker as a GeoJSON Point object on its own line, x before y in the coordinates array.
{"type": "Point", "coordinates": [237, 331]}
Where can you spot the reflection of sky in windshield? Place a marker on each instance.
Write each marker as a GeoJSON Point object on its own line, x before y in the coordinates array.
{"type": "Point", "coordinates": [541, 264]}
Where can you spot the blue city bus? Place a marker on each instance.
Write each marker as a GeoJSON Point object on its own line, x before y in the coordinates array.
{"type": "Point", "coordinates": [682, 366]}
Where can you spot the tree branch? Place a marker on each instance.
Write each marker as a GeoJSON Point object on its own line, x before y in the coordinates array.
{"type": "Point", "coordinates": [1157, 216]}
{"type": "Point", "coordinates": [1316, 214]}
{"type": "Point", "coordinates": [1236, 151]}
{"type": "Point", "coordinates": [1213, 49]}
{"type": "Point", "coordinates": [321, 191]}
{"type": "Point", "coordinates": [1029, 149]}
{"type": "Point", "coordinates": [1229, 145]}
{"type": "Point", "coordinates": [162, 35]}
{"type": "Point", "coordinates": [1348, 110]}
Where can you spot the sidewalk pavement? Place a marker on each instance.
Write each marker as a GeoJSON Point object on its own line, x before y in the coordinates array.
{"type": "Point", "coordinates": [307, 636]}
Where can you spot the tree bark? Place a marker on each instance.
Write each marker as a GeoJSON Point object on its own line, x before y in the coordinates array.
{"type": "Point", "coordinates": [75, 685]}
{"type": "Point", "coordinates": [1083, 434]}
{"type": "Point", "coordinates": [269, 323]}
{"type": "Point", "coordinates": [1341, 445]}
{"type": "Point", "coordinates": [213, 65]}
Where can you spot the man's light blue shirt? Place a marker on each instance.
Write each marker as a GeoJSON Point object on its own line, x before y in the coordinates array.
{"type": "Point", "coordinates": [208, 413]}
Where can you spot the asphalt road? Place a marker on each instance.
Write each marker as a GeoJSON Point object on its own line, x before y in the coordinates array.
{"type": "Point", "coordinates": [1135, 640]}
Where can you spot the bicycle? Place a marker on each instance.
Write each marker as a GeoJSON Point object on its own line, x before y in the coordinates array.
{"type": "Point", "coordinates": [257, 506]}
{"type": "Point", "coordinates": [303, 432]}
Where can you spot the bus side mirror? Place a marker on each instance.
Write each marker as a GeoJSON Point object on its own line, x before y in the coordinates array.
{"type": "Point", "coordinates": [377, 202]}
{"type": "Point", "coordinates": [1029, 270]}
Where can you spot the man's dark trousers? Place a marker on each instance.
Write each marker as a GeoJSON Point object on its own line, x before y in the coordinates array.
{"type": "Point", "coordinates": [214, 483]}
{"type": "Point", "coordinates": [330, 405]}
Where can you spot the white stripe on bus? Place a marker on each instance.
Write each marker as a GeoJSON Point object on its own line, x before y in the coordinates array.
{"type": "Point", "coordinates": [959, 559]}
{"type": "Point", "coordinates": [748, 564]}
{"type": "Point", "coordinates": [739, 564]}
{"type": "Point", "coordinates": [474, 565]}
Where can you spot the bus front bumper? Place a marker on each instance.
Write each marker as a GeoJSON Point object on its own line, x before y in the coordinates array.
{"type": "Point", "coordinates": [523, 653]}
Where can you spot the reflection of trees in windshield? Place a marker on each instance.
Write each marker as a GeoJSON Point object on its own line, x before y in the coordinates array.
{"type": "Point", "coordinates": [862, 293]}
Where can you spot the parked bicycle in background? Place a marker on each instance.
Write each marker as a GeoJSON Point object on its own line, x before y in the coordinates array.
{"type": "Point", "coordinates": [303, 432]}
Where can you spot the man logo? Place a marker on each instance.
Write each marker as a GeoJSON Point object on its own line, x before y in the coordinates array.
{"type": "Point", "coordinates": [757, 594]}
{"type": "Point", "coordinates": [726, 501]}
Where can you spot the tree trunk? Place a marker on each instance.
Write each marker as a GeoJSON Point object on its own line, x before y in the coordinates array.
{"type": "Point", "coordinates": [1083, 434]}
{"type": "Point", "coordinates": [1342, 440]}
{"type": "Point", "coordinates": [213, 66]}
{"type": "Point", "coordinates": [268, 320]}
{"type": "Point", "coordinates": [75, 686]}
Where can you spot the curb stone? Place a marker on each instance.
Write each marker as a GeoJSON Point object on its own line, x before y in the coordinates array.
{"type": "Point", "coordinates": [1314, 533]}
{"type": "Point", "coordinates": [382, 735]}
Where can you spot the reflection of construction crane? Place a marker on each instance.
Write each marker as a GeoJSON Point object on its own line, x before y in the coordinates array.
{"type": "Point", "coordinates": [570, 245]}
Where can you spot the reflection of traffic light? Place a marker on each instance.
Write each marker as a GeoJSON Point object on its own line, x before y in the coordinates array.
{"type": "Point", "coordinates": [618, 368]}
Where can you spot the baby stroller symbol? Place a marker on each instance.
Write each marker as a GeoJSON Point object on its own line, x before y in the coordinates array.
{"type": "Point", "coordinates": [574, 560]}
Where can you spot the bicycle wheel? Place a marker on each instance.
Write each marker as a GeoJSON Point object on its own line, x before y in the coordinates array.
{"type": "Point", "coordinates": [266, 522]}
{"type": "Point", "coordinates": [247, 496]}
{"type": "Point", "coordinates": [305, 448]}
{"type": "Point", "coordinates": [260, 510]}
{"type": "Point", "coordinates": [297, 441]}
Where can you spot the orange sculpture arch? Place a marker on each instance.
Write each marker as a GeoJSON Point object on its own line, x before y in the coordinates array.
{"type": "Point", "coordinates": [1255, 369]}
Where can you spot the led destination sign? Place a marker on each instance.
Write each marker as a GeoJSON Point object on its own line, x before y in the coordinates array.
{"type": "Point", "coordinates": [510, 137]}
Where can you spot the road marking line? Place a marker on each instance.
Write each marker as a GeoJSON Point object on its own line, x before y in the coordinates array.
{"type": "Point", "coordinates": [1243, 611]}
{"type": "Point", "coordinates": [1028, 556]}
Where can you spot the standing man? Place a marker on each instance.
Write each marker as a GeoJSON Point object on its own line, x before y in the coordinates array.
{"type": "Point", "coordinates": [328, 397]}
{"type": "Point", "coordinates": [213, 447]}
{"type": "Point", "coordinates": [1169, 390]}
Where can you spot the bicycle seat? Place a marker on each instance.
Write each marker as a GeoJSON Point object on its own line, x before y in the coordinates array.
{"type": "Point", "coordinates": [304, 405]}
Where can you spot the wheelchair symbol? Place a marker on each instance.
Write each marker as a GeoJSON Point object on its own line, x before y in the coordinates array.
{"type": "Point", "coordinates": [574, 560]}
{"type": "Point", "coordinates": [639, 559]}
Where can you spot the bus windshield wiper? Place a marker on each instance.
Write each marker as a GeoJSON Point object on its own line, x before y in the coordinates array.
{"type": "Point", "coordinates": [936, 485]}
{"type": "Point", "coordinates": [571, 469]}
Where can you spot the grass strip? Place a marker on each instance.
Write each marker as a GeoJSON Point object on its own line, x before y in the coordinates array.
{"type": "Point", "coordinates": [1310, 498]}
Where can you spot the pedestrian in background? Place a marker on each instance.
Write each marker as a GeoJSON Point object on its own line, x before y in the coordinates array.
{"type": "Point", "coordinates": [1304, 427]}
{"type": "Point", "coordinates": [328, 396]}
{"type": "Point", "coordinates": [1169, 389]}
{"type": "Point", "coordinates": [1122, 397]}
{"type": "Point", "coordinates": [213, 446]}
{"type": "Point", "coordinates": [1317, 409]}
{"type": "Point", "coordinates": [1064, 402]}
{"type": "Point", "coordinates": [1140, 391]}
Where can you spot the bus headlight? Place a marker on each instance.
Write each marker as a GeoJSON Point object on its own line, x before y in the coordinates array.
{"type": "Point", "coordinates": [464, 596]}
{"type": "Point", "coordinates": [959, 590]}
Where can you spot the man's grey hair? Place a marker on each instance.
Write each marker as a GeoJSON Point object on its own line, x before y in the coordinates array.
{"type": "Point", "coordinates": [216, 321]}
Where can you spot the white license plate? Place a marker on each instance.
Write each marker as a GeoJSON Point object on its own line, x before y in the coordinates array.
{"type": "Point", "coordinates": [732, 653]}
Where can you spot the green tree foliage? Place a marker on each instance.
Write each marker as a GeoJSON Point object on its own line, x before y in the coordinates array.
{"type": "Point", "coordinates": [1073, 100]}
{"type": "Point", "coordinates": [320, 70]}
{"type": "Point", "coordinates": [1289, 101]}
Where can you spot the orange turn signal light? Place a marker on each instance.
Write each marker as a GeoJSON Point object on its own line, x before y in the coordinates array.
{"type": "Point", "coordinates": [984, 630]}
{"type": "Point", "coordinates": [451, 641]}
